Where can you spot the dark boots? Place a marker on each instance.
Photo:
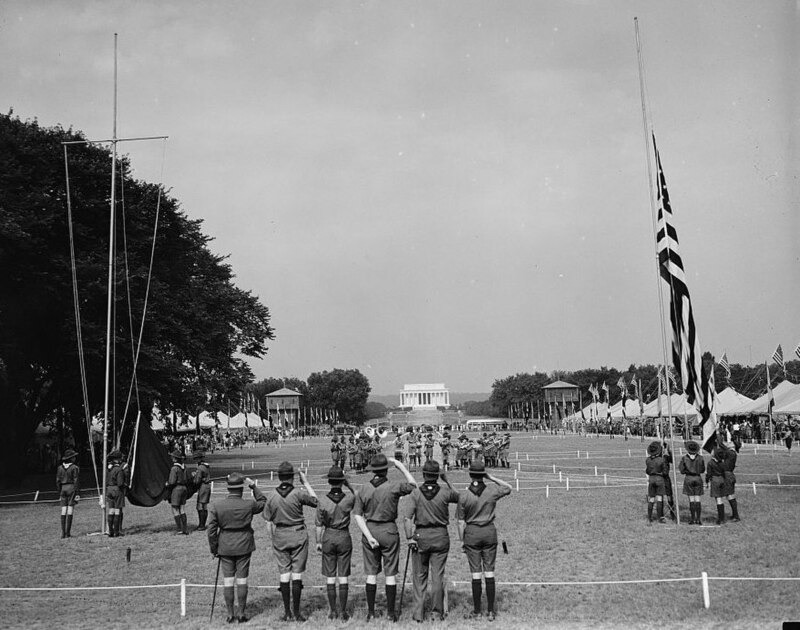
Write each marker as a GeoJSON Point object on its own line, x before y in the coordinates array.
{"type": "Point", "coordinates": [285, 595]}
{"type": "Point", "coordinates": [178, 522]}
{"type": "Point", "coordinates": [297, 589]}
{"type": "Point", "coordinates": [184, 525]}
{"type": "Point", "coordinates": [720, 514]}
{"type": "Point", "coordinates": [735, 510]}
{"type": "Point", "coordinates": [202, 515]}
{"type": "Point", "coordinates": [63, 526]}
{"type": "Point", "coordinates": [650, 511]}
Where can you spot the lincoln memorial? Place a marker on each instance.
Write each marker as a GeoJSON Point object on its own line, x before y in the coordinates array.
{"type": "Point", "coordinates": [425, 396]}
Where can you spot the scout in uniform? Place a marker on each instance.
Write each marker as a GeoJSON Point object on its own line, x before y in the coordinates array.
{"type": "Point", "coordinates": [334, 451]}
{"type": "Point", "coordinates": [429, 447]}
{"type": "Point", "coordinates": [505, 446]}
{"type": "Point", "coordinates": [126, 469]}
{"type": "Point", "coordinates": [115, 491]}
{"type": "Point", "coordinates": [446, 446]}
{"type": "Point", "coordinates": [178, 492]}
{"type": "Point", "coordinates": [729, 465]}
{"type": "Point", "coordinates": [477, 532]}
{"type": "Point", "coordinates": [692, 466]}
{"type": "Point", "coordinates": [398, 447]}
{"type": "Point", "coordinates": [202, 481]}
{"type": "Point", "coordinates": [334, 542]}
{"type": "Point", "coordinates": [667, 455]}
{"type": "Point", "coordinates": [656, 470]}
{"type": "Point", "coordinates": [376, 515]}
{"type": "Point", "coordinates": [68, 484]}
{"type": "Point", "coordinates": [230, 537]}
{"type": "Point", "coordinates": [426, 521]}
{"type": "Point", "coordinates": [284, 515]}
{"type": "Point", "coordinates": [715, 478]}
{"type": "Point", "coordinates": [418, 449]}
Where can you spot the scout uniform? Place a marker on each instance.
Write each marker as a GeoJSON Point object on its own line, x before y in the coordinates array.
{"type": "Point", "coordinates": [376, 510]}
{"type": "Point", "coordinates": [115, 491]}
{"type": "Point", "coordinates": [230, 536]}
{"type": "Point", "coordinates": [418, 449]}
{"type": "Point", "coordinates": [692, 466]}
{"type": "Point", "coordinates": [475, 513]}
{"type": "Point", "coordinates": [715, 477]}
{"type": "Point", "coordinates": [445, 445]}
{"type": "Point", "coordinates": [68, 484]}
{"type": "Point", "coordinates": [284, 510]}
{"type": "Point", "coordinates": [426, 524]}
{"type": "Point", "coordinates": [333, 540]}
{"type": "Point", "coordinates": [126, 469]}
{"type": "Point", "coordinates": [505, 445]}
{"type": "Point", "coordinates": [398, 448]}
{"type": "Point", "coordinates": [178, 492]}
{"type": "Point", "coordinates": [729, 465]}
{"type": "Point", "coordinates": [202, 481]}
{"type": "Point", "coordinates": [429, 447]}
{"type": "Point", "coordinates": [656, 470]}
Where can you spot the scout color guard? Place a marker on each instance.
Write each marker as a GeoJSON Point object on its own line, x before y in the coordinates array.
{"type": "Point", "coordinates": [68, 484]}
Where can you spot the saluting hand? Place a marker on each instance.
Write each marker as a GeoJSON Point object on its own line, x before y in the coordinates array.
{"type": "Point", "coordinates": [249, 481]}
{"type": "Point", "coordinates": [302, 476]}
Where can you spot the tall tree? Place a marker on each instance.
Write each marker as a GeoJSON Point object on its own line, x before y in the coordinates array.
{"type": "Point", "coordinates": [345, 391]}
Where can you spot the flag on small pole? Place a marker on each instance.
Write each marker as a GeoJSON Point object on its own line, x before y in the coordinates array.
{"type": "Point", "coordinates": [723, 363]}
{"type": "Point", "coordinates": [777, 356]}
{"type": "Point", "coordinates": [797, 350]}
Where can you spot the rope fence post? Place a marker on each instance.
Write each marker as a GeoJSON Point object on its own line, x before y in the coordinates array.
{"type": "Point", "coordinates": [706, 596]}
{"type": "Point", "coordinates": [517, 485]}
{"type": "Point", "coordinates": [183, 597]}
{"type": "Point", "coordinates": [36, 497]}
{"type": "Point", "coordinates": [567, 484]}
{"type": "Point", "coordinates": [547, 492]}
{"type": "Point", "coordinates": [754, 487]}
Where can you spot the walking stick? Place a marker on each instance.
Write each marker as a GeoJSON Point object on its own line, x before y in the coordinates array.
{"type": "Point", "coordinates": [403, 589]}
{"type": "Point", "coordinates": [214, 598]}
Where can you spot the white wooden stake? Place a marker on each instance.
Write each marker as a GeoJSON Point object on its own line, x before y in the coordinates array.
{"type": "Point", "coordinates": [559, 476]}
{"type": "Point", "coordinates": [706, 596]}
{"type": "Point", "coordinates": [595, 471]}
{"type": "Point", "coordinates": [567, 484]}
{"type": "Point", "coordinates": [517, 485]}
{"type": "Point", "coordinates": [754, 487]}
{"type": "Point", "coordinates": [547, 492]}
{"type": "Point", "coordinates": [183, 597]}
{"type": "Point", "coordinates": [605, 479]}
{"type": "Point", "coordinates": [36, 498]}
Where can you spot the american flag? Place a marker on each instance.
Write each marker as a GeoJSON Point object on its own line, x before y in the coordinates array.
{"type": "Point", "coordinates": [777, 356]}
{"type": "Point", "coordinates": [686, 353]}
{"type": "Point", "coordinates": [723, 363]}
{"type": "Point", "coordinates": [797, 350]}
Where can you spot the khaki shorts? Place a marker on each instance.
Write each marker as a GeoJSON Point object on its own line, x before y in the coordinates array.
{"type": "Point", "coordinates": [480, 545]}
{"type": "Point", "coordinates": [67, 494]}
{"type": "Point", "coordinates": [115, 498]}
{"type": "Point", "coordinates": [178, 496]}
{"type": "Point", "coordinates": [337, 550]}
{"type": "Point", "coordinates": [235, 566]}
{"type": "Point", "coordinates": [656, 486]}
{"type": "Point", "coordinates": [387, 552]}
{"type": "Point", "coordinates": [290, 547]}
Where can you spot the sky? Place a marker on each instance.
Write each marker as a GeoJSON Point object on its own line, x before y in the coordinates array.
{"type": "Point", "coordinates": [455, 191]}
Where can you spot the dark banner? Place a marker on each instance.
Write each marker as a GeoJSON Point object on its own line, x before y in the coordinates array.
{"type": "Point", "coordinates": [151, 467]}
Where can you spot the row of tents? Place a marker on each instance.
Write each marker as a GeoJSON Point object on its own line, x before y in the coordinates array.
{"type": "Point", "coordinates": [222, 421]}
{"type": "Point", "coordinates": [729, 403]}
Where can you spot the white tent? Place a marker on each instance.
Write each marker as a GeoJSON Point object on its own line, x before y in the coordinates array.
{"type": "Point", "coordinates": [789, 405]}
{"type": "Point", "coordinates": [729, 399]}
{"type": "Point", "coordinates": [678, 406]}
{"type": "Point", "coordinates": [784, 392]}
{"type": "Point", "coordinates": [631, 409]}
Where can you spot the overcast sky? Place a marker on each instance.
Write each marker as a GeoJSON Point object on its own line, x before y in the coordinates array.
{"type": "Point", "coordinates": [452, 191]}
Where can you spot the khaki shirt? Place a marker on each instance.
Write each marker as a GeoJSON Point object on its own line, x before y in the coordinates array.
{"type": "Point", "coordinates": [379, 504]}
{"type": "Point", "coordinates": [287, 511]}
{"type": "Point", "coordinates": [332, 515]}
{"type": "Point", "coordinates": [433, 511]}
{"type": "Point", "coordinates": [479, 510]}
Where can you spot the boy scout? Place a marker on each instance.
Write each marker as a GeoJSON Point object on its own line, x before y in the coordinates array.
{"type": "Point", "coordinates": [656, 471]}
{"type": "Point", "coordinates": [115, 492]}
{"type": "Point", "coordinates": [68, 484]}
{"type": "Point", "coordinates": [477, 532]}
{"type": "Point", "coordinates": [729, 465]}
{"type": "Point", "coordinates": [202, 481]}
{"type": "Point", "coordinates": [284, 513]}
{"type": "Point", "coordinates": [376, 515]}
{"type": "Point", "coordinates": [692, 466]}
{"type": "Point", "coordinates": [715, 478]}
{"type": "Point", "coordinates": [426, 521]}
{"type": "Point", "coordinates": [230, 536]}
{"type": "Point", "coordinates": [333, 540]}
{"type": "Point", "coordinates": [178, 492]}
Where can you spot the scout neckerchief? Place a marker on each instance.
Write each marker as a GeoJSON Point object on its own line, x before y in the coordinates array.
{"type": "Point", "coordinates": [336, 494]}
{"type": "Point", "coordinates": [477, 487]}
{"type": "Point", "coordinates": [429, 489]}
{"type": "Point", "coordinates": [377, 480]}
{"type": "Point", "coordinates": [66, 465]}
{"type": "Point", "coordinates": [285, 488]}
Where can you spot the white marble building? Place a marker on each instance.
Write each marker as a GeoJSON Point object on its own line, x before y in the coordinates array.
{"type": "Point", "coordinates": [425, 396]}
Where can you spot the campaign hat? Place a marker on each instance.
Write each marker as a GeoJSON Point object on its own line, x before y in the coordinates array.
{"type": "Point", "coordinates": [378, 463]}
{"type": "Point", "coordinates": [68, 454]}
{"type": "Point", "coordinates": [654, 448]}
{"type": "Point", "coordinates": [235, 480]}
{"type": "Point", "coordinates": [335, 474]}
{"type": "Point", "coordinates": [430, 468]}
{"type": "Point", "coordinates": [176, 454]}
{"type": "Point", "coordinates": [692, 447]}
{"type": "Point", "coordinates": [115, 456]}
{"type": "Point", "coordinates": [285, 469]}
{"type": "Point", "coordinates": [476, 468]}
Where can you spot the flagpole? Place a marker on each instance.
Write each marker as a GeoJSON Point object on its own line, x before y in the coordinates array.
{"type": "Point", "coordinates": [770, 404]}
{"type": "Point", "coordinates": [646, 128]}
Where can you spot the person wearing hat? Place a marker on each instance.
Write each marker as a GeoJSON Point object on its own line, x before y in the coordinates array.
{"type": "Point", "coordinates": [178, 491]}
{"type": "Point", "coordinates": [715, 478]}
{"type": "Point", "coordinates": [126, 470]}
{"type": "Point", "coordinates": [202, 481]}
{"type": "Point", "coordinates": [502, 452]}
{"type": "Point", "coordinates": [478, 534]}
{"type": "Point", "coordinates": [692, 466]}
{"type": "Point", "coordinates": [375, 512]}
{"type": "Point", "coordinates": [426, 521]}
{"type": "Point", "coordinates": [656, 471]}
{"type": "Point", "coordinates": [115, 491]}
{"type": "Point", "coordinates": [333, 540]}
{"type": "Point", "coordinates": [287, 525]}
{"type": "Point", "coordinates": [446, 446]}
{"type": "Point", "coordinates": [231, 539]}
{"type": "Point", "coordinates": [68, 484]}
{"type": "Point", "coordinates": [729, 465]}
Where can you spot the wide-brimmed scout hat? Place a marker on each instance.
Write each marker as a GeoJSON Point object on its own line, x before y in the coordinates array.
{"type": "Point", "coordinates": [692, 447]}
{"type": "Point", "coordinates": [477, 468]}
{"type": "Point", "coordinates": [718, 452]}
{"type": "Point", "coordinates": [115, 456]}
{"type": "Point", "coordinates": [235, 480]}
{"type": "Point", "coordinates": [69, 454]}
{"type": "Point", "coordinates": [430, 468]}
{"type": "Point", "coordinates": [335, 474]}
{"type": "Point", "coordinates": [654, 448]}
{"type": "Point", "coordinates": [378, 463]}
{"type": "Point", "coordinates": [176, 454]}
{"type": "Point", "coordinates": [285, 469]}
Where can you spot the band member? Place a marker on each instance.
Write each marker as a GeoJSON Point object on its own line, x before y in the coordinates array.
{"type": "Point", "coordinates": [477, 532]}
{"type": "Point", "coordinates": [202, 481]}
{"type": "Point", "coordinates": [426, 521]}
{"type": "Point", "coordinates": [446, 447]}
{"type": "Point", "coordinates": [692, 466]}
{"type": "Point", "coordinates": [715, 478]}
{"type": "Point", "coordinates": [68, 484]}
{"type": "Point", "coordinates": [284, 515]}
{"type": "Point", "coordinates": [429, 444]}
{"type": "Point", "coordinates": [334, 542]}
{"type": "Point", "coordinates": [398, 447]}
{"type": "Point", "coordinates": [230, 537]}
{"type": "Point", "coordinates": [178, 492]}
{"type": "Point", "coordinates": [505, 446]}
{"type": "Point", "coordinates": [729, 465]}
{"type": "Point", "coordinates": [115, 491]}
{"type": "Point", "coordinates": [376, 515]}
{"type": "Point", "coordinates": [656, 470]}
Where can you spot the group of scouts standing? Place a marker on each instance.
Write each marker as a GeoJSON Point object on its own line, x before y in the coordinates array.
{"type": "Point", "coordinates": [719, 478]}
{"type": "Point", "coordinates": [375, 510]}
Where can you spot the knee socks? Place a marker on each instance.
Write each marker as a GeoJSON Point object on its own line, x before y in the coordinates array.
{"type": "Point", "coordinates": [297, 588]}
{"type": "Point", "coordinates": [344, 590]}
{"type": "Point", "coordinates": [242, 596]}
{"type": "Point", "coordinates": [371, 589]}
{"type": "Point", "coordinates": [284, 589]}
{"type": "Point", "coordinates": [490, 594]}
{"type": "Point", "coordinates": [331, 588]}
{"type": "Point", "coordinates": [477, 591]}
{"type": "Point", "coordinates": [391, 596]}
{"type": "Point", "coordinates": [227, 592]}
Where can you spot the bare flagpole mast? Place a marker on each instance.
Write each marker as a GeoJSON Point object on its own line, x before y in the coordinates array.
{"type": "Point", "coordinates": [647, 135]}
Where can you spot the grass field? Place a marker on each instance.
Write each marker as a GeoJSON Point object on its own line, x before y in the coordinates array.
{"type": "Point", "coordinates": [595, 531]}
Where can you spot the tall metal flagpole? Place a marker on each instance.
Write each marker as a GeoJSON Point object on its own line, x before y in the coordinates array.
{"type": "Point", "coordinates": [646, 127]}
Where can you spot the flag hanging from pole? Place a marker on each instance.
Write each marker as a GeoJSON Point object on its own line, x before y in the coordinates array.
{"type": "Point", "coordinates": [797, 350]}
{"type": "Point", "coordinates": [723, 363]}
{"type": "Point", "coordinates": [686, 353]}
{"type": "Point", "coordinates": [777, 356]}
